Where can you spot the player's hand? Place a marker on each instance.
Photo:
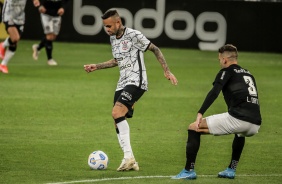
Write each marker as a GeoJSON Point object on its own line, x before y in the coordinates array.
{"type": "Point", "coordinates": [36, 3]}
{"type": "Point", "coordinates": [61, 11]}
{"type": "Point", "coordinates": [42, 9]}
{"type": "Point", "coordinates": [90, 68]}
{"type": "Point", "coordinates": [171, 77]}
{"type": "Point", "coordinates": [199, 120]}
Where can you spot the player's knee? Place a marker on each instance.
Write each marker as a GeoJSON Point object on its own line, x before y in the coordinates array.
{"type": "Point", "coordinates": [193, 126]}
{"type": "Point", "coordinates": [116, 113]}
{"type": "Point", "coordinates": [15, 39]}
{"type": "Point", "coordinates": [51, 37]}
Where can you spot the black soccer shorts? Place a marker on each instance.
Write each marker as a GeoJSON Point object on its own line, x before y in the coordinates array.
{"type": "Point", "coordinates": [128, 96]}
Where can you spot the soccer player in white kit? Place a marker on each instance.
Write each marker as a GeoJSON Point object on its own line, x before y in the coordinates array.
{"type": "Point", "coordinates": [128, 47]}
{"type": "Point", "coordinates": [13, 16]}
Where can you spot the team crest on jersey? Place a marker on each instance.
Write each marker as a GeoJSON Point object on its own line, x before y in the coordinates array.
{"type": "Point", "coordinates": [124, 45]}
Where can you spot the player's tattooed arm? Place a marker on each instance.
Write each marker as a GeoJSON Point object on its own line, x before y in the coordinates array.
{"type": "Point", "coordinates": [108, 64]}
{"type": "Point", "coordinates": [160, 57]}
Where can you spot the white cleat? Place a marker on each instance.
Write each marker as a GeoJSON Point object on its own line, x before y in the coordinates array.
{"type": "Point", "coordinates": [35, 52]}
{"type": "Point", "coordinates": [135, 166]}
{"type": "Point", "coordinates": [52, 62]}
{"type": "Point", "coordinates": [128, 164]}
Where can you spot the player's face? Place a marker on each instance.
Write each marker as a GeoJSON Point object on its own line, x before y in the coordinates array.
{"type": "Point", "coordinates": [111, 26]}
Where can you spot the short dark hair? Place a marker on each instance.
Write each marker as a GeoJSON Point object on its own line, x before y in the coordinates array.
{"type": "Point", "coordinates": [109, 13]}
{"type": "Point", "coordinates": [227, 48]}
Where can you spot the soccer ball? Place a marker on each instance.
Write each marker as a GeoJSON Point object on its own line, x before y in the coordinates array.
{"type": "Point", "coordinates": [98, 160]}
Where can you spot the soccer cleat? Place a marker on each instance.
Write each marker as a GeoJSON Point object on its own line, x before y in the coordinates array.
{"type": "Point", "coordinates": [187, 175]}
{"type": "Point", "coordinates": [35, 51]}
{"type": "Point", "coordinates": [2, 50]}
{"type": "Point", "coordinates": [52, 62]}
{"type": "Point", "coordinates": [135, 166]}
{"type": "Point", "coordinates": [227, 173]}
{"type": "Point", "coordinates": [128, 164]}
{"type": "Point", "coordinates": [4, 69]}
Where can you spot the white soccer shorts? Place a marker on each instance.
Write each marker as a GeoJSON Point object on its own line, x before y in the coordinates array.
{"type": "Point", "coordinates": [223, 124]}
{"type": "Point", "coordinates": [51, 24]}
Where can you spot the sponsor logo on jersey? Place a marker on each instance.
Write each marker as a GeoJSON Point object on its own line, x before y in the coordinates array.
{"type": "Point", "coordinates": [241, 71]}
{"type": "Point", "coordinates": [119, 59]}
{"type": "Point", "coordinates": [125, 66]}
{"type": "Point", "coordinates": [142, 44]}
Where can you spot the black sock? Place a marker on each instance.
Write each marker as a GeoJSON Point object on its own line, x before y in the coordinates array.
{"type": "Point", "coordinates": [237, 148]}
{"type": "Point", "coordinates": [10, 41]}
{"type": "Point", "coordinates": [41, 44]}
{"type": "Point", "coordinates": [13, 45]}
{"type": "Point", "coordinates": [49, 48]}
{"type": "Point", "coordinates": [192, 148]}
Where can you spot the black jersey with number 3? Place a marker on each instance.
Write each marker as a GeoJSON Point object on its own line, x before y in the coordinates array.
{"type": "Point", "coordinates": [240, 93]}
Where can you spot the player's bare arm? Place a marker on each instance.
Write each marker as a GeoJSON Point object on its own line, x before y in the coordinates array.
{"type": "Point", "coordinates": [160, 57]}
{"type": "Point", "coordinates": [108, 64]}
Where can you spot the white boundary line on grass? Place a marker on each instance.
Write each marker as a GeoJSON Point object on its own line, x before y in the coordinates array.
{"type": "Point", "coordinates": [144, 177]}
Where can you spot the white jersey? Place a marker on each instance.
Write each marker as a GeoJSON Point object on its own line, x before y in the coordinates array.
{"type": "Point", "coordinates": [13, 12]}
{"type": "Point", "coordinates": [129, 53]}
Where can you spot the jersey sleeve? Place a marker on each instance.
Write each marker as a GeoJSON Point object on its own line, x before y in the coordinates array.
{"type": "Point", "coordinates": [140, 41]}
{"type": "Point", "coordinates": [220, 80]}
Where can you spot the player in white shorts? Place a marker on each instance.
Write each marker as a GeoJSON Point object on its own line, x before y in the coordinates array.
{"type": "Point", "coordinates": [223, 124]}
{"type": "Point", "coordinates": [13, 16]}
{"type": "Point", "coordinates": [243, 118]}
{"type": "Point", "coordinates": [128, 47]}
{"type": "Point", "coordinates": [51, 13]}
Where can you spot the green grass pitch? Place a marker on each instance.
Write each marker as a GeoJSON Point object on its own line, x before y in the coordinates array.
{"type": "Point", "coordinates": [52, 118]}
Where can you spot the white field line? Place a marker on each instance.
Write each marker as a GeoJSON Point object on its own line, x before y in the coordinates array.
{"type": "Point", "coordinates": [144, 177]}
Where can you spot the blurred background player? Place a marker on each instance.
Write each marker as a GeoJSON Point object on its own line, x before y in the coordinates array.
{"type": "Point", "coordinates": [13, 16]}
{"type": "Point", "coordinates": [51, 17]}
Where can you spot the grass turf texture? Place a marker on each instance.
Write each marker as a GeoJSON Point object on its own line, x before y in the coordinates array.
{"type": "Point", "coordinates": [52, 118]}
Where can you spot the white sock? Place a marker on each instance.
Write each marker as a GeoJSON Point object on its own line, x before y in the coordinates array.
{"type": "Point", "coordinates": [124, 138]}
{"type": "Point", "coordinates": [118, 136]}
{"type": "Point", "coordinates": [6, 42]}
{"type": "Point", "coordinates": [8, 55]}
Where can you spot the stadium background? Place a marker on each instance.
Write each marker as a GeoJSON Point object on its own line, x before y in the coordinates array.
{"type": "Point", "coordinates": [251, 25]}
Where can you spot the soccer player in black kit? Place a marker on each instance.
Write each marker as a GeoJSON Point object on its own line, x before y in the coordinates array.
{"type": "Point", "coordinates": [243, 118]}
{"type": "Point", "coordinates": [51, 12]}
